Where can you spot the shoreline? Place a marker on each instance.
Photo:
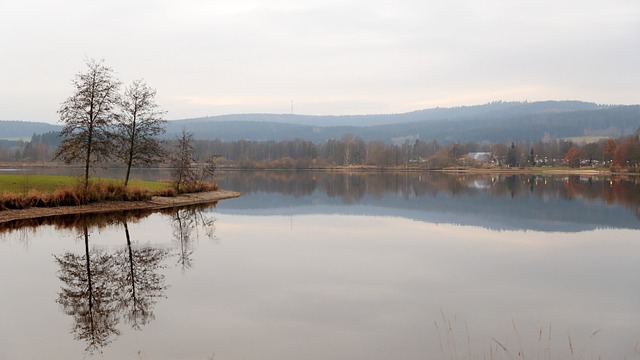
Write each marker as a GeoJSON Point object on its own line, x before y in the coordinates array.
{"type": "Point", "coordinates": [159, 202]}
{"type": "Point", "coordinates": [471, 170]}
{"type": "Point", "coordinates": [156, 203]}
{"type": "Point", "coordinates": [542, 171]}
{"type": "Point", "coordinates": [372, 168]}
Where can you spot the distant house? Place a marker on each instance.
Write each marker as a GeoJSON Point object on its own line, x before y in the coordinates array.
{"type": "Point", "coordinates": [484, 158]}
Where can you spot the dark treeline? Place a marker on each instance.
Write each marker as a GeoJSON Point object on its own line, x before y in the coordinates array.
{"type": "Point", "coordinates": [41, 148]}
{"type": "Point", "coordinates": [623, 152]}
{"type": "Point", "coordinates": [616, 153]}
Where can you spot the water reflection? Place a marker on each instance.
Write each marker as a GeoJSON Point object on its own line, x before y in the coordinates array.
{"type": "Point", "coordinates": [103, 288]}
{"type": "Point", "coordinates": [89, 294]}
{"type": "Point", "coordinates": [323, 283]}
{"type": "Point", "coordinates": [186, 221]}
{"type": "Point", "coordinates": [140, 283]}
{"type": "Point", "coordinates": [354, 186]}
{"type": "Point", "coordinates": [76, 221]}
{"type": "Point", "coordinates": [493, 201]}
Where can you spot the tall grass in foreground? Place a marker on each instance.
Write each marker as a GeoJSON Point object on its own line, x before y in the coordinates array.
{"type": "Point", "coordinates": [47, 191]}
{"type": "Point", "coordinates": [71, 195]}
{"type": "Point", "coordinates": [197, 186]}
{"type": "Point", "coordinates": [453, 348]}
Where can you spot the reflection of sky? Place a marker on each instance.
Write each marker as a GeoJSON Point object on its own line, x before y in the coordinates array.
{"type": "Point", "coordinates": [482, 210]}
{"type": "Point", "coordinates": [374, 278]}
{"type": "Point", "coordinates": [337, 286]}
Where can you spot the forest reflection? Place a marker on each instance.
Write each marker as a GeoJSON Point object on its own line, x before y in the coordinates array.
{"type": "Point", "coordinates": [103, 288]}
{"type": "Point", "coordinates": [352, 187]}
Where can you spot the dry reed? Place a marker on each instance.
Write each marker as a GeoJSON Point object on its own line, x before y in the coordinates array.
{"type": "Point", "coordinates": [74, 195]}
{"type": "Point", "coordinates": [500, 349]}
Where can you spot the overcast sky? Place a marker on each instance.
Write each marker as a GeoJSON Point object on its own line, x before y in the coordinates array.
{"type": "Point", "coordinates": [338, 57]}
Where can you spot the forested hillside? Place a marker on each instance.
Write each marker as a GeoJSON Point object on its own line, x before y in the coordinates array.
{"type": "Point", "coordinates": [496, 122]}
{"type": "Point", "coordinates": [515, 134]}
{"type": "Point", "coordinates": [23, 130]}
{"type": "Point", "coordinates": [499, 109]}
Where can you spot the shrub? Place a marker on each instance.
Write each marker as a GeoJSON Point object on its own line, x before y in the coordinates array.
{"type": "Point", "coordinates": [10, 202]}
{"type": "Point", "coordinates": [66, 196]}
{"type": "Point", "coordinates": [36, 198]}
{"type": "Point", "coordinates": [74, 195]}
{"type": "Point", "coordinates": [167, 192]}
{"type": "Point", "coordinates": [112, 191]}
{"type": "Point", "coordinates": [136, 194]}
{"type": "Point", "coordinates": [198, 186]}
{"type": "Point", "coordinates": [96, 192]}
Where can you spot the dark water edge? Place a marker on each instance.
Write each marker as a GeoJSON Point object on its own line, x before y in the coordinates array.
{"type": "Point", "coordinates": [494, 201]}
{"type": "Point", "coordinates": [498, 202]}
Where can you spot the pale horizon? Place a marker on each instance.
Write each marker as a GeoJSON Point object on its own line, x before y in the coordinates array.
{"type": "Point", "coordinates": [56, 122]}
{"type": "Point", "coordinates": [209, 58]}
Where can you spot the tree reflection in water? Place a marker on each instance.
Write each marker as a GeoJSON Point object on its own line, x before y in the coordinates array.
{"type": "Point", "coordinates": [88, 294]}
{"type": "Point", "coordinates": [102, 288]}
{"type": "Point", "coordinates": [186, 221]}
{"type": "Point", "coordinates": [353, 186]}
{"type": "Point", "coordinates": [139, 283]}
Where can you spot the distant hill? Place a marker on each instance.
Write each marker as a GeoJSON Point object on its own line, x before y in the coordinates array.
{"type": "Point", "coordinates": [12, 130]}
{"type": "Point", "coordinates": [499, 109]}
{"type": "Point", "coordinates": [493, 122]}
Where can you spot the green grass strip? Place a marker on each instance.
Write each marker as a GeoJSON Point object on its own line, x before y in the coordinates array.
{"type": "Point", "coordinates": [21, 183]}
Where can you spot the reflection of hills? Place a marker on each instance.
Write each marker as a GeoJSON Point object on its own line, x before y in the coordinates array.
{"type": "Point", "coordinates": [498, 202]}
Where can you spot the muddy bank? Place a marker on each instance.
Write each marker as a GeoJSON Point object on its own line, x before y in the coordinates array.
{"type": "Point", "coordinates": [156, 203]}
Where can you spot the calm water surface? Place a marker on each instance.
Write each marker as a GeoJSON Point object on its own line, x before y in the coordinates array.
{"type": "Point", "coordinates": [337, 266]}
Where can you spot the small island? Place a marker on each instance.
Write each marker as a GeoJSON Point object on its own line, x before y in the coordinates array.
{"type": "Point", "coordinates": [155, 203]}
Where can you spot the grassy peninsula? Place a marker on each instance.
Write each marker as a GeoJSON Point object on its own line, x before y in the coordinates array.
{"type": "Point", "coordinates": [40, 196]}
{"type": "Point", "coordinates": [28, 191]}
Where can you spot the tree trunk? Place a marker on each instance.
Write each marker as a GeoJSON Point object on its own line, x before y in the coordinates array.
{"type": "Point", "coordinates": [126, 178]}
{"type": "Point", "coordinates": [132, 141]}
{"type": "Point", "coordinates": [86, 166]}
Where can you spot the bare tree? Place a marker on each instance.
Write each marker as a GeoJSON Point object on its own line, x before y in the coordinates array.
{"type": "Point", "coordinates": [88, 115]}
{"type": "Point", "coordinates": [209, 169]}
{"type": "Point", "coordinates": [138, 127]}
{"type": "Point", "coordinates": [181, 160]}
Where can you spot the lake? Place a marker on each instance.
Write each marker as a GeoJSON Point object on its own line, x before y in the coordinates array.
{"type": "Point", "coordinates": [336, 265]}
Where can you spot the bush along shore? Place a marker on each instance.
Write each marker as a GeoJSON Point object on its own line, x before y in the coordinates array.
{"type": "Point", "coordinates": [39, 192]}
{"type": "Point", "coordinates": [40, 200]}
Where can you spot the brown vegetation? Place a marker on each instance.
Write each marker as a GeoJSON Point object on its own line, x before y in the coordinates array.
{"type": "Point", "coordinates": [73, 196]}
{"type": "Point", "coordinates": [617, 154]}
{"type": "Point", "coordinates": [9, 217]}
